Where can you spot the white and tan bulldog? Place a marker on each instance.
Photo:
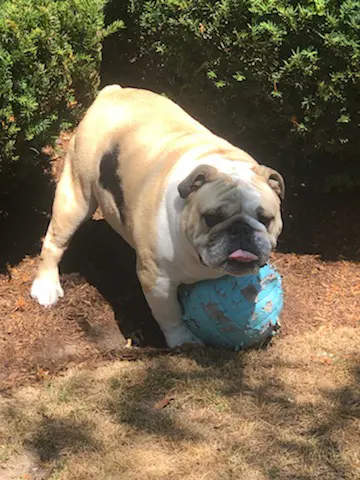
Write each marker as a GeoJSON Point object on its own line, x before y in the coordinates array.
{"type": "Point", "coordinates": [192, 205]}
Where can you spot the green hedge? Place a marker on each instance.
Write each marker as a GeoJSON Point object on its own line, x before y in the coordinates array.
{"type": "Point", "coordinates": [281, 76]}
{"type": "Point", "coordinates": [50, 53]}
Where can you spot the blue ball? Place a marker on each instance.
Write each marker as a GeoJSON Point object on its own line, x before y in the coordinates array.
{"type": "Point", "coordinates": [234, 312]}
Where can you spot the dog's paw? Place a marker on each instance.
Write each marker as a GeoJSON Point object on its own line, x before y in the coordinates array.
{"type": "Point", "coordinates": [46, 292]}
{"type": "Point", "coordinates": [181, 335]}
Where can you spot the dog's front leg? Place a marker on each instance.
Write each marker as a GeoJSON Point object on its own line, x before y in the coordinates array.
{"type": "Point", "coordinates": [163, 302]}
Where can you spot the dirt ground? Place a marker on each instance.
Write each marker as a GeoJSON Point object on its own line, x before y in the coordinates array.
{"type": "Point", "coordinates": [103, 307]}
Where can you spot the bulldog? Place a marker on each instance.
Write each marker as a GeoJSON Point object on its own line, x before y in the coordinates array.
{"type": "Point", "coordinates": [192, 205]}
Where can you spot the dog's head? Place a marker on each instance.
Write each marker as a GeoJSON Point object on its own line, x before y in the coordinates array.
{"type": "Point", "coordinates": [232, 217]}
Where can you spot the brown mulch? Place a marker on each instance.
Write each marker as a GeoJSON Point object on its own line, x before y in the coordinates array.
{"type": "Point", "coordinates": [318, 293]}
{"type": "Point", "coordinates": [102, 295]}
{"type": "Point", "coordinates": [36, 342]}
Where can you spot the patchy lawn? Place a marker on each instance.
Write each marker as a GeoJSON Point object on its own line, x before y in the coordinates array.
{"type": "Point", "coordinates": [289, 412]}
{"type": "Point", "coordinates": [75, 403]}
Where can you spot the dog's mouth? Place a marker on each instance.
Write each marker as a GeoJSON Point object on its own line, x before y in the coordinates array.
{"type": "Point", "coordinates": [243, 256]}
{"type": "Point", "coordinates": [242, 262]}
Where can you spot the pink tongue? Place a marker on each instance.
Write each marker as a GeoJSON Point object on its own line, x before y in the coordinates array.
{"type": "Point", "coordinates": [243, 256]}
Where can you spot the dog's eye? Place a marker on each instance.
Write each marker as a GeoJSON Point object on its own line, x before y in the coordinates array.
{"type": "Point", "coordinates": [265, 219]}
{"type": "Point", "coordinates": [212, 219]}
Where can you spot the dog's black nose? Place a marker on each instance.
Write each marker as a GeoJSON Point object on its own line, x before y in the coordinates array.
{"type": "Point", "coordinates": [242, 229]}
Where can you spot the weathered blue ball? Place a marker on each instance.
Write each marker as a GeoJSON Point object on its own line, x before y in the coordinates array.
{"type": "Point", "coordinates": [234, 312]}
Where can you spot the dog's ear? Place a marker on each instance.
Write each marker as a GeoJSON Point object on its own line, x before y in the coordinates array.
{"type": "Point", "coordinates": [197, 178]}
{"type": "Point", "coordinates": [273, 178]}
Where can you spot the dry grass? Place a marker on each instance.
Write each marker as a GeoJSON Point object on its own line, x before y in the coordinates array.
{"type": "Point", "coordinates": [292, 411]}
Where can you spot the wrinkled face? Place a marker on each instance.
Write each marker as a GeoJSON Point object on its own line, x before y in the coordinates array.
{"type": "Point", "coordinates": [233, 221]}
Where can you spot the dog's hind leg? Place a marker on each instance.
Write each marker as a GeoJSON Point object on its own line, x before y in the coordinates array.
{"type": "Point", "coordinates": [73, 204]}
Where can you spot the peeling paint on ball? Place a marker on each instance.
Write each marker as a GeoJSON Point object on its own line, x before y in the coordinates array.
{"type": "Point", "coordinates": [235, 313]}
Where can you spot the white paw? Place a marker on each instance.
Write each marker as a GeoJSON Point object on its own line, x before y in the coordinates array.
{"type": "Point", "coordinates": [179, 335]}
{"type": "Point", "coordinates": [46, 292]}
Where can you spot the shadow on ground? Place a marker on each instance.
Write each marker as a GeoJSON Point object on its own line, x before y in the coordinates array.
{"type": "Point", "coordinates": [108, 263]}
{"type": "Point", "coordinates": [53, 437]}
{"type": "Point", "coordinates": [307, 434]}
{"type": "Point", "coordinates": [244, 409]}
